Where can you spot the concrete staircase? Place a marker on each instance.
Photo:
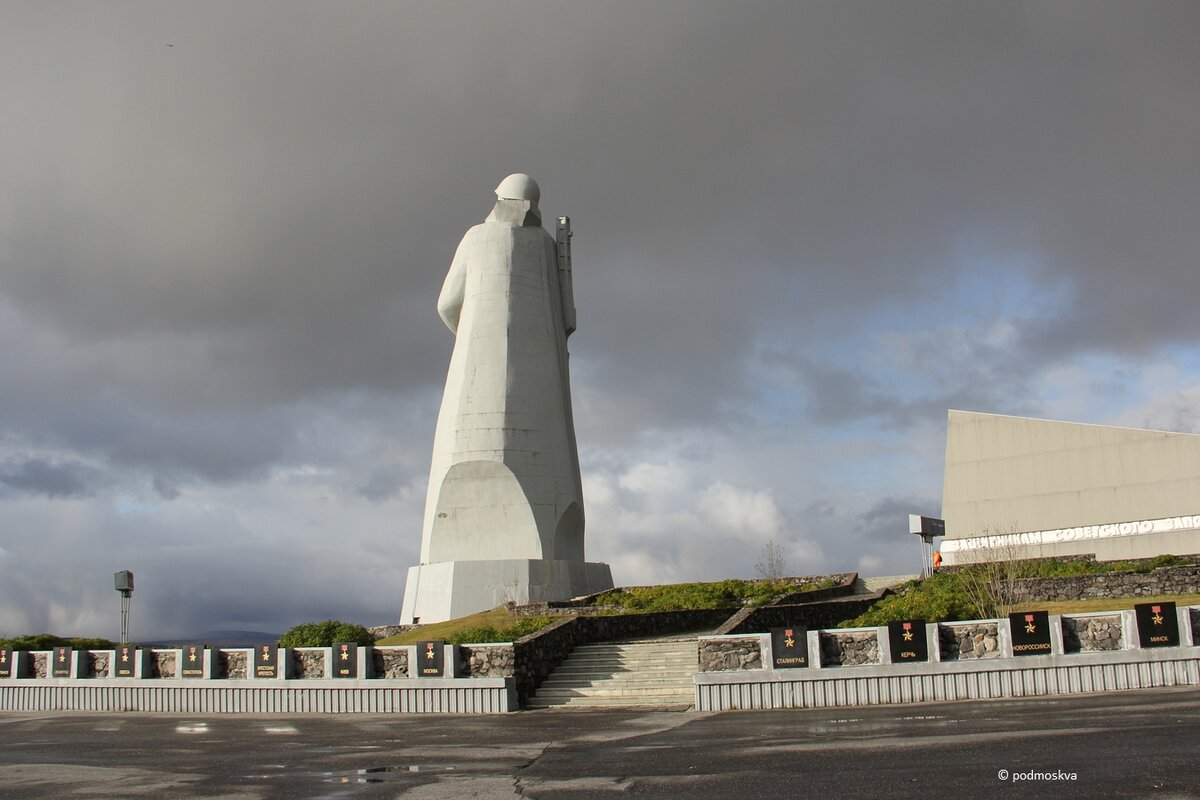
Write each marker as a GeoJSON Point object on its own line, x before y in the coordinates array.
{"type": "Point", "coordinates": [645, 672]}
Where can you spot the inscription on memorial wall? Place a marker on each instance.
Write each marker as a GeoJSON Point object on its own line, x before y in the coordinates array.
{"type": "Point", "coordinates": [1158, 624]}
{"type": "Point", "coordinates": [430, 659]}
{"type": "Point", "coordinates": [1081, 533]}
{"type": "Point", "coordinates": [1030, 633]}
{"type": "Point", "coordinates": [789, 647]}
{"type": "Point", "coordinates": [345, 660]}
{"type": "Point", "coordinates": [908, 642]}
{"type": "Point", "coordinates": [265, 662]}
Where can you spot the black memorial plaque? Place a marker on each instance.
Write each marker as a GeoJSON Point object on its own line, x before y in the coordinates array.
{"type": "Point", "coordinates": [789, 647]}
{"type": "Point", "coordinates": [345, 660]}
{"type": "Point", "coordinates": [61, 664]}
{"type": "Point", "coordinates": [1030, 633]}
{"type": "Point", "coordinates": [430, 659]}
{"type": "Point", "coordinates": [266, 659]}
{"type": "Point", "coordinates": [7, 660]}
{"type": "Point", "coordinates": [125, 658]}
{"type": "Point", "coordinates": [1157, 623]}
{"type": "Point", "coordinates": [192, 665]}
{"type": "Point", "coordinates": [907, 639]}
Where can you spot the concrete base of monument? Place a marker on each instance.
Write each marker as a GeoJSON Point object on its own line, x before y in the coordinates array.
{"type": "Point", "coordinates": [450, 589]}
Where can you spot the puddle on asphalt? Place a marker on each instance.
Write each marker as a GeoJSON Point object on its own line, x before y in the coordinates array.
{"type": "Point", "coordinates": [381, 774]}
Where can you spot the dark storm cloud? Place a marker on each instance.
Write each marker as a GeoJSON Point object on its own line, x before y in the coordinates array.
{"type": "Point", "coordinates": [296, 204]}
{"type": "Point", "coordinates": [54, 480]}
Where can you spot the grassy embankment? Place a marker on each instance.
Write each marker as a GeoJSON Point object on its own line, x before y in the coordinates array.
{"type": "Point", "coordinates": [501, 625]}
{"type": "Point", "coordinates": [952, 596]}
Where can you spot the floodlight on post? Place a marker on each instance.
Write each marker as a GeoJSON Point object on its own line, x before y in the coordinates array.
{"type": "Point", "coordinates": [928, 528]}
{"type": "Point", "coordinates": [123, 581]}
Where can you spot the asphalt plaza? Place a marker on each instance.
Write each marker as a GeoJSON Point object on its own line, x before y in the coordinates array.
{"type": "Point", "coordinates": [1123, 745]}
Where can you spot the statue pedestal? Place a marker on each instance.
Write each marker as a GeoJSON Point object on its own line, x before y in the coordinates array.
{"type": "Point", "coordinates": [449, 589]}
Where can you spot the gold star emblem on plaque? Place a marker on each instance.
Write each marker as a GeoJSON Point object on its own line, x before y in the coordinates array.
{"type": "Point", "coordinates": [908, 636]}
{"type": "Point", "coordinates": [192, 657]}
{"type": "Point", "coordinates": [1158, 620]}
{"type": "Point", "coordinates": [62, 657]}
{"type": "Point", "coordinates": [345, 656]}
{"type": "Point", "coordinates": [429, 654]}
{"type": "Point", "coordinates": [1030, 627]}
{"type": "Point", "coordinates": [124, 656]}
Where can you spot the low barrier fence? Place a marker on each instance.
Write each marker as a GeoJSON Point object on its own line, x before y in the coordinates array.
{"type": "Point", "coordinates": [428, 677]}
{"type": "Point", "coordinates": [1029, 653]}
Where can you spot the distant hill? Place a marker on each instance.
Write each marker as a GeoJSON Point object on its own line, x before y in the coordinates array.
{"type": "Point", "coordinates": [223, 638]}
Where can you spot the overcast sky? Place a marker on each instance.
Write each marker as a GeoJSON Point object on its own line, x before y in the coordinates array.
{"type": "Point", "coordinates": [804, 232]}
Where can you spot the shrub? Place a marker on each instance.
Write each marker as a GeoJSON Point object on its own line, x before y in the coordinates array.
{"type": "Point", "coordinates": [35, 641]}
{"type": "Point", "coordinates": [92, 643]}
{"type": "Point", "coordinates": [936, 599]}
{"type": "Point", "coordinates": [688, 596]}
{"type": "Point", "coordinates": [48, 641]}
{"type": "Point", "coordinates": [488, 633]}
{"type": "Point", "coordinates": [323, 634]}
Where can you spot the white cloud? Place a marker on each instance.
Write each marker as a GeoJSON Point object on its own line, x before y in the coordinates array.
{"type": "Point", "coordinates": [744, 510]}
{"type": "Point", "coordinates": [654, 479]}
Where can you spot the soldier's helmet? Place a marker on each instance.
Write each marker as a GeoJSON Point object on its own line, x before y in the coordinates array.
{"type": "Point", "coordinates": [519, 186]}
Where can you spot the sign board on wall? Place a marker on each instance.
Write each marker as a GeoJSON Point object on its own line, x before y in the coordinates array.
{"type": "Point", "coordinates": [125, 657]}
{"type": "Point", "coordinates": [789, 647]}
{"type": "Point", "coordinates": [908, 642]}
{"type": "Point", "coordinates": [266, 661]}
{"type": "Point", "coordinates": [431, 659]}
{"type": "Point", "coordinates": [1157, 624]}
{"type": "Point", "coordinates": [61, 663]}
{"type": "Point", "coordinates": [193, 661]}
{"type": "Point", "coordinates": [345, 660]}
{"type": "Point", "coordinates": [1030, 633]}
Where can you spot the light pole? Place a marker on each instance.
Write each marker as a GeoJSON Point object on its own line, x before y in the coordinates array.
{"type": "Point", "coordinates": [124, 584]}
{"type": "Point", "coordinates": [927, 528]}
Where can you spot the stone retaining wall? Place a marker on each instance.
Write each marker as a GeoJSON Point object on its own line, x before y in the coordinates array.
{"type": "Point", "coordinates": [487, 661]}
{"type": "Point", "coordinates": [162, 664]}
{"type": "Point", "coordinates": [976, 640]}
{"type": "Point", "coordinates": [819, 614]}
{"type": "Point", "coordinates": [99, 662]}
{"type": "Point", "coordinates": [843, 584]}
{"type": "Point", "coordinates": [730, 654]}
{"type": "Point", "coordinates": [850, 649]}
{"type": "Point", "coordinates": [233, 664]}
{"type": "Point", "coordinates": [308, 664]}
{"type": "Point", "coordinates": [560, 610]}
{"type": "Point", "coordinates": [1162, 581]}
{"type": "Point", "coordinates": [390, 663]}
{"type": "Point", "coordinates": [1092, 634]}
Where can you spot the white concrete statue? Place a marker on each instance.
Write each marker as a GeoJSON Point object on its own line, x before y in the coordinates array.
{"type": "Point", "coordinates": [504, 510]}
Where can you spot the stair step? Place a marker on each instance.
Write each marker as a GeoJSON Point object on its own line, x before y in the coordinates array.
{"type": "Point", "coordinates": [612, 674]}
{"type": "Point", "coordinates": [652, 691]}
{"type": "Point", "coordinates": [619, 686]}
{"type": "Point", "coordinates": [614, 702]}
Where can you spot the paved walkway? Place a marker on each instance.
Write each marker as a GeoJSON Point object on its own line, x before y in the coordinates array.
{"type": "Point", "coordinates": [1132, 745]}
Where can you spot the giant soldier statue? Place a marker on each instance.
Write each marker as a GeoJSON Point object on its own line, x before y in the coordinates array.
{"type": "Point", "coordinates": [504, 511]}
